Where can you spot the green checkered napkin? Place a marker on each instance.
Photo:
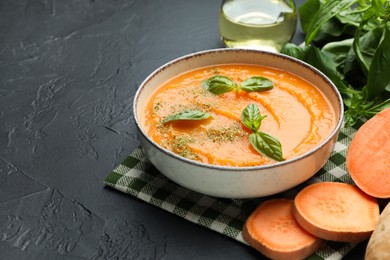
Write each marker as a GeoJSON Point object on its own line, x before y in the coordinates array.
{"type": "Point", "coordinates": [137, 177]}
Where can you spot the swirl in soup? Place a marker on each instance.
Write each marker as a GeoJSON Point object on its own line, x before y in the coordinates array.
{"type": "Point", "coordinates": [297, 114]}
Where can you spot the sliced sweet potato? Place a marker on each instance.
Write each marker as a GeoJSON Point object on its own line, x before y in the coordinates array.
{"type": "Point", "coordinates": [368, 157]}
{"type": "Point", "coordinates": [378, 246]}
{"type": "Point", "coordinates": [336, 211]}
{"type": "Point", "coordinates": [273, 230]}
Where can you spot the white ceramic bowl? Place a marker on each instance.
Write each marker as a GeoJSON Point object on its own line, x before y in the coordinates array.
{"type": "Point", "coordinates": [237, 182]}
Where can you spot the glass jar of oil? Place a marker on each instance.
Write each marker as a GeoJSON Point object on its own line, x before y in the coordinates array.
{"type": "Point", "coordinates": [257, 24]}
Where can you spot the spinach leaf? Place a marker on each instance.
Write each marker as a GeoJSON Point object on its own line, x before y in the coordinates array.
{"type": "Point", "coordinates": [306, 13]}
{"type": "Point", "coordinates": [323, 61]}
{"type": "Point", "coordinates": [293, 50]}
{"type": "Point", "coordinates": [353, 70]}
{"type": "Point", "coordinates": [358, 66]}
{"type": "Point", "coordinates": [338, 51]}
{"type": "Point", "coordinates": [379, 76]}
{"type": "Point", "coordinates": [335, 29]}
{"type": "Point", "coordinates": [326, 11]}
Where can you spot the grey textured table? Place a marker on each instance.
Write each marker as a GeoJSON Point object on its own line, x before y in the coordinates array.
{"type": "Point", "coordinates": [68, 73]}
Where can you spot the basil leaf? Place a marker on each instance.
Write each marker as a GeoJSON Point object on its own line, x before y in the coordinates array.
{"type": "Point", "coordinates": [358, 49]}
{"type": "Point", "coordinates": [261, 142]}
{"type": "Point", "coordinates": [219, 85]}
{"type": "Point", "coordinates": [350, 118]}
{"type": "Point", "coordinates": [256, 83]}
{"type": "Point", "coordinates": [267, 145]}
{"type": "Point", "coordinates": [187, 115]}
{"type": "Point", "coordinates": [251, 117]}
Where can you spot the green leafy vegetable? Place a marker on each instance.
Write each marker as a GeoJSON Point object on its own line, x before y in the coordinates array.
{"type": "Point", "coordinates": [306, 11]}
{"type": "Point", "coordinates": [256, 83]}
{"type": "Point", "coordinates": [187, 115]}
{"type": "Point", "coordinates": [267, 145]}
{"type": "Point", "coordinates": [328, 10]}
{"type": "Point", "coordinates": [221, 84]}
{"type": "Point", "coordinates": [263, 143]}
{"type": "Point", "coordinates": [349, 41]}
{"type": "Point", "coordinates": [378, 81]}
{"type": "Point", "coordinates": [251, 117]}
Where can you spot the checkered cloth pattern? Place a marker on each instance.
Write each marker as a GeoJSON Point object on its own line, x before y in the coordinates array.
{"type": "Point", "coordinates": [138, 177]}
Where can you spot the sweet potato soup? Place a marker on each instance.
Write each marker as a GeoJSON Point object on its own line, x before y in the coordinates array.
{"type": "Point", "coordinates": [297, 114]}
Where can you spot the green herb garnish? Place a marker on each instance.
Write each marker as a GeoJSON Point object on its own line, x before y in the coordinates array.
{"type": "Point", "coordinates": [257, 84]}
{"type": "Point", "coordinates": [349, 41]}
{"type": "Point", "coordinates": [252, 118]}
{"type": "Point", "coordinates": [187, 115]}
{"type": "Point", "coordinates": [263, 143]}
{"type": "Point", "coordinates": [221, 84]}
{"type": "Point", "coordinates": [226, 133]}
{"type": "Point", "coordinates": [267, 145]}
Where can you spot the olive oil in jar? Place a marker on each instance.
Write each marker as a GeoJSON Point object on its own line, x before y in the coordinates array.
{"type": "Point", "coordinates": [257, 24]}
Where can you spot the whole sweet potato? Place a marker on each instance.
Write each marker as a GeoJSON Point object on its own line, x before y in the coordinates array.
{"type": "Point", "coordinates": [378, 246]}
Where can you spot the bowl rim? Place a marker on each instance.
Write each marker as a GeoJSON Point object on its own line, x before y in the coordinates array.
{"type": "Point", "coordinates": [308, 153]}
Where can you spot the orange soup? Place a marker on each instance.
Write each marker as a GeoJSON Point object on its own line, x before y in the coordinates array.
{"type": "Point", "coordinates": [297, 114]}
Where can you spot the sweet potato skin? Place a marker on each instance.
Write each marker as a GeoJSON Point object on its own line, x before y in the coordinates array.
{"type": "Point", "coordinates": [378, 246]}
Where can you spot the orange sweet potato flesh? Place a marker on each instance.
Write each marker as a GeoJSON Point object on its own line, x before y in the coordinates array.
{"type": "Point", "coordinates": [273, 230]}
{"type": "Point", "coordinates": [368, 157]}
{"type": "Point", "coordinates": [336, 211]}
{"type": "Point", "coordinates": [298, 114]}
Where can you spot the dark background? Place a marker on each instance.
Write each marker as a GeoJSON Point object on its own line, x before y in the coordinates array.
{"type": "Point", "coordinates": [68, 72]}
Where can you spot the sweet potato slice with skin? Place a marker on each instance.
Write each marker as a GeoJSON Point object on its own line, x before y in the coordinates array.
{"type": "Point", "coordinates": [368, 157]}
{"type": "Point", "coordinates": [378, 246]}
{"type": "Point", "coordinates": [336, 211]}
{"type": "Point", "coordinates": [273, 230]}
